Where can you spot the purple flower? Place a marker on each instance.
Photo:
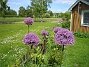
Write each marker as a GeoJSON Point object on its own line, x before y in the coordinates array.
{"type": "Point", "coordinates": [56, 29]}
{"type": "Point", "coordinates": [44, 32]}
{"type": "Point", "coordinates": [64, 37]}
{"type": "Point", "coordinates": [31, 39]}
{"type": "Point", "coordinates": [28, 21]}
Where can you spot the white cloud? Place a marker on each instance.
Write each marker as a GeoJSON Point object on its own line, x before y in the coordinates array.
{"type": "Point", "coordinates": [64, 1]}
{"type": "Point", "coordinates": [58, 10]}
{"type": "Point", "coordinates": [14, 3]}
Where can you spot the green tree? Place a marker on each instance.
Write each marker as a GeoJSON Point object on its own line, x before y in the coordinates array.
{"type": "Point", "coordinates": [39, 7]}
{"type": "Point", "coordinates": [22, 11]}
{"type": "Point", "coordinates": [29, 11]}
{"type": "Point", "coordinates": [50, 12]}
{"type": "Point", "coordinates": [3, 7]}
{"type": "Point", "coordinates": [46, 15]}
{"type": "Point", "coordinates": [11, 13]}
{"type": "Point", "coordinates": [66, 16]}
{"type": "Point", "coordinates": [56, 15]}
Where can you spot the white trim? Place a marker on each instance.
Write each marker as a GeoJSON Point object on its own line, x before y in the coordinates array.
{"type": "Point", "coordinates": [73, 5]}
{"type": "Point", "coordinates": [77, 3]}
{"type": "Point", "coordinates": [82, 23]}
{"type": "Point", "coordinates": [71, 17]}
{"type": "Point", "coordinates": [71, 22]}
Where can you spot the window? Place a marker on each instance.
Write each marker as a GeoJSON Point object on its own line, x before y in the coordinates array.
{"type": "Point", "coordinates": [85, 18]}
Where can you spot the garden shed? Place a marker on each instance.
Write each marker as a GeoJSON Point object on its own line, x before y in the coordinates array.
{"type": "Point", "coordinates": [80, 16]}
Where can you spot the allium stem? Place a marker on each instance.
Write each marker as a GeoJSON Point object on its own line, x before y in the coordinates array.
{"type": "Point", "coordinates": [31, 46]}
{"type": "Point", "coordinates": [44, 49]}
{"type": "Point", "coordinates": [62, 48]}
{"type": "Point", "coordinates": [28, 28]}
{"type": "Point", "coordinates": [62, 53]}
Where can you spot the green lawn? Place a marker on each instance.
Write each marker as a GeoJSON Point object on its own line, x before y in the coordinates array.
{"type": "Point", "coordinates": [78, 54]}
{"type": "Point", "coordinates": [12, 48]}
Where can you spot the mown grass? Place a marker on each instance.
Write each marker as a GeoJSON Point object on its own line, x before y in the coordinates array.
{"type": "Point", "coordinates": [12, 48]}
{"type": "Point", "coordinates": [77, 55]}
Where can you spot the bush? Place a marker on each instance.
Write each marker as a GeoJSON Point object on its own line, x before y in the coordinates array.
{"type": "Point", "coordinates": [81, 35]}
{"type": "Point", "coordinates": [66, 25]}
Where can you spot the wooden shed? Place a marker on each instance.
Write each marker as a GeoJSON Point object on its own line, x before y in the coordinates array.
{"type": "Point", "coordinates": [80, 16]}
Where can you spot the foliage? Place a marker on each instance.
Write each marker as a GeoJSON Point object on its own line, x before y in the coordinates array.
{"type": "Point", "coordinates": [22, 11]}
{"type": "Point", "coordinates": [66, 16]}
{"type": "Point", "coordinates": [81, 35]}
{"type": "Point", "coordinates": [40, 7]}
{"type": "Point", "coordinates": [3, 7]}
{"type": "Point", "coordinates": [11, 12]}
{"type": "Point", "coordinates": [50, 12]}
{"type": "Point", "coordinates": [29, 12]}
{"type": "Point", "coordinates": [56, 15]}
{"type": "Point", "coordinates": [66, 25]}
{"type": "Point", "coordinates": [46, 15]}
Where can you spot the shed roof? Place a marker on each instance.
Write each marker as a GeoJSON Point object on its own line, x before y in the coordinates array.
{"type": "Point", "coordinates": [84, 1]}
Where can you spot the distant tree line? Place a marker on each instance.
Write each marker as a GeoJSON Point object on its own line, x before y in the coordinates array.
{"type": "Point", "coordinates": [38, 9]}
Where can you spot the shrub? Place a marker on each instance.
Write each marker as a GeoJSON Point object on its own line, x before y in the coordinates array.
{"type": "Point", "coordinates": [81, 35]}
{"type": "Point", "coordinates": [66, 25]}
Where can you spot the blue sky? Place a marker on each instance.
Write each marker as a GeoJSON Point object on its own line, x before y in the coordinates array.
{"type": "Point", "coordinates": [56, 6]}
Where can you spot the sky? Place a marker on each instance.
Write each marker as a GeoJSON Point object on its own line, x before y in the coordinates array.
{"type": "Point", "coordinates": [56, 6]}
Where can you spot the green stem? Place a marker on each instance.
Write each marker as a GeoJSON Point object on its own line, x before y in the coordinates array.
{"type": "Point", "coordinates": [62, 48]}
{"type": "Point", "coordinates": [28, 28]}
{"type": "Point", "coordinates": [62, 55]}
{"type": "Point", "coordinates": [31, 46]}
{"type": "Point", "coordinates": [44, 50]}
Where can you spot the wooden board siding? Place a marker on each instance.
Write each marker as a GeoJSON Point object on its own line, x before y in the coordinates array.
{"type": "Point", "coordinates": [76, 19]}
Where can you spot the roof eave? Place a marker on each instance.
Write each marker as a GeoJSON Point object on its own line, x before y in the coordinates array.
{"type": "Point", "coordinates": [77, 3]}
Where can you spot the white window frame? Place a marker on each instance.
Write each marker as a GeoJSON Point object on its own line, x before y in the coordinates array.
{"type": "Point", "coordinates": [82, 23]}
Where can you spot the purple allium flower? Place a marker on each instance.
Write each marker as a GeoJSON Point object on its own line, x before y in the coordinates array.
{"type": "Point", "coordinates": [31, 39]}
{"type": "Point", "coordinates": [28, 21]}
{"type": "Point", "coordinates": [56, 29]}
{"type": "Point", "coordinates": [64, 37]}
{"type": "Point", "coordinates": [44, 32]}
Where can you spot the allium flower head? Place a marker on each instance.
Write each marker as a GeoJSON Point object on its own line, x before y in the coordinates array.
{"type": "Point", "coordinates": [31, 39]}
{"type": "Point", "coordinates": [28, 21]}
{"type": "Point", "coordinates": [44, 32]}
{"type": "Point", "coordinates": [56, 29]}
{"type": "Point", "coordinates": [64, 37]}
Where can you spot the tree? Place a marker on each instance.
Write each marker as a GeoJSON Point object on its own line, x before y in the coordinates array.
{"type": "Point", "coordinates": [67, 15]}
{"type": "Point", "coordinates": [47, 15]}
{"type": "Point", "coordinates": [22, 11]}
{"type": "Point", "coordinates": [39, 7]}
{"type": "Point", "coordinates": [11, 13]}
{"type": "Point", "coordinates": [50, 12]}
{"type": "Point", "coordinates": [29, 12]}
{"type": "Point", "coordinates": [56, 15]}
{"type": "Point", "coordinates": [3, 7]}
